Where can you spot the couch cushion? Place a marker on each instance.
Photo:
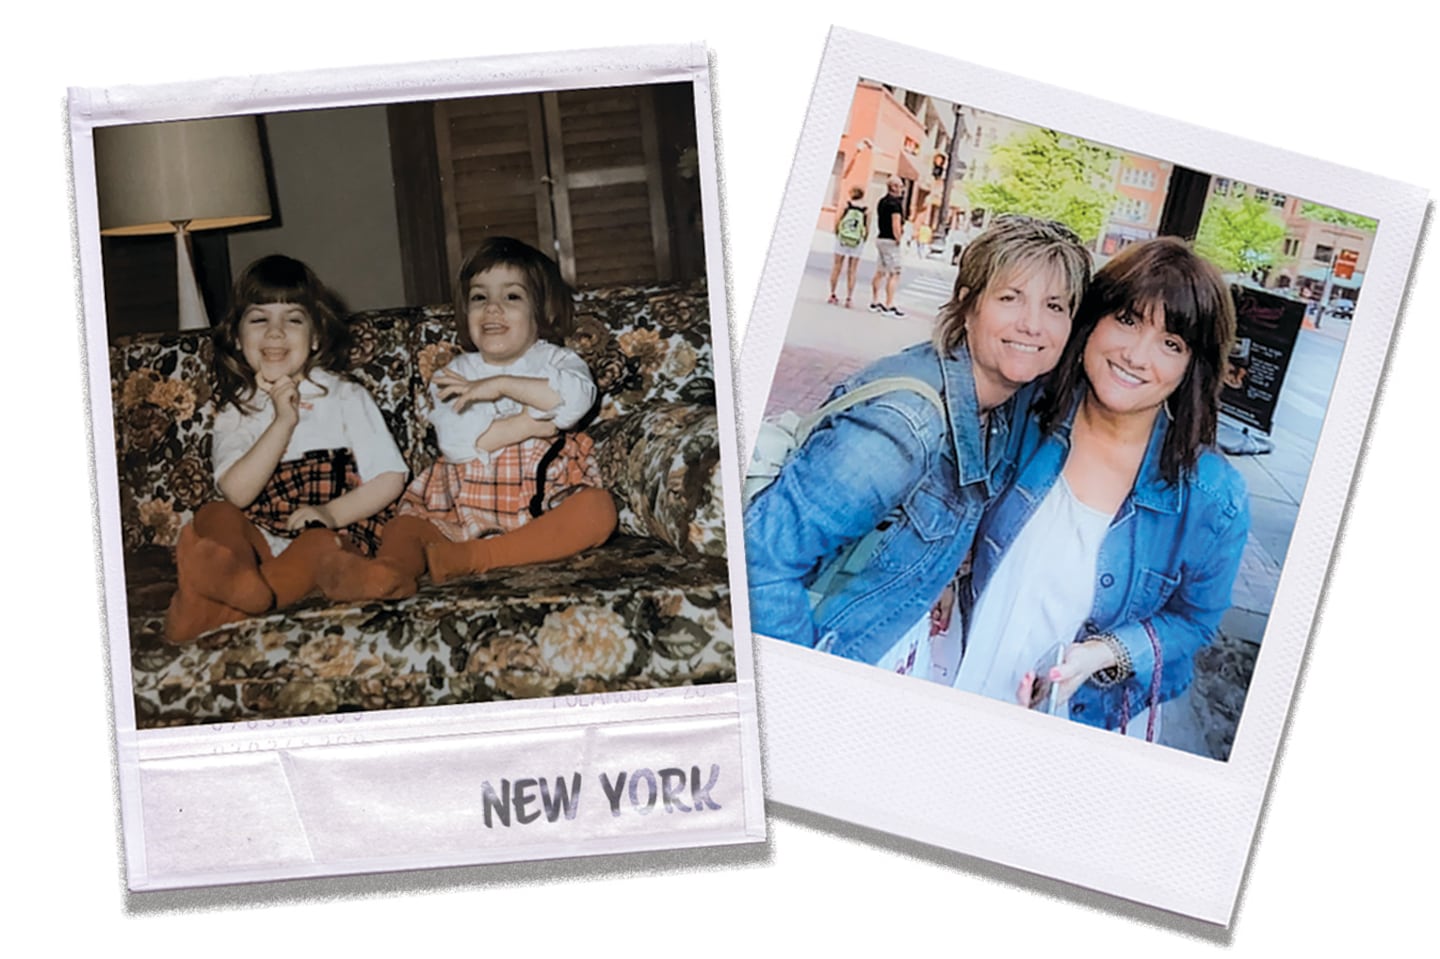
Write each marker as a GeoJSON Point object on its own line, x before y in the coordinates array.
{"type": "Point", "coordinates": [662, 464]}
{"type": "Point", "coordinates": [627, 616]}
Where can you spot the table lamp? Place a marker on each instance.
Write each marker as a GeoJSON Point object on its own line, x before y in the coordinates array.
{"type": "Point", "coordinates": [179, 176]}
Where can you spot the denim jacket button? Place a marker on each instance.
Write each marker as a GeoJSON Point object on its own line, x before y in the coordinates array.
{"type": "Point", "coordinates": [1107, 580]}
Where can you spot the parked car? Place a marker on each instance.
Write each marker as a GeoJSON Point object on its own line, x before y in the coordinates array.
{"type": "Point", "coordinates": [1342, 308]}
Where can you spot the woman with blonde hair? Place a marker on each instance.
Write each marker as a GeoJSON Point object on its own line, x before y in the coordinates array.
{"type": "Point", "coordinates": [911, 473]}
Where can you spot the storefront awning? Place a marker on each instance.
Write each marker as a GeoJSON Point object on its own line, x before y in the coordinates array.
{"type": "Point", "coordinates": [905, 168]}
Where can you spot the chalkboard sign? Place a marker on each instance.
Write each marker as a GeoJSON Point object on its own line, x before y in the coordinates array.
{"type": "Point", "coordinates": [1266, 328]}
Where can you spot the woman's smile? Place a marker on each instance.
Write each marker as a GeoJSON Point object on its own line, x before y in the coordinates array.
{"type": "Point", "coordinates": [1124, 376]}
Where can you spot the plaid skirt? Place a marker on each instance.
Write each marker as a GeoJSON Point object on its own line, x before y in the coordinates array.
{"type": "Point", "coordinates": [474, 499]}
{"type": "Point", "coordinates": [315, 479]}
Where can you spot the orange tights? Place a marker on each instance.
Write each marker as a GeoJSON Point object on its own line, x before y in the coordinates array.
{"type": "Point", "coordinates": [227, 572]}
{"type": "Point", "coordinates": [410, 545]}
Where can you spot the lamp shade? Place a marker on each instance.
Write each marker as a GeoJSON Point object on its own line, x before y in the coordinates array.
{"type": "Point", "coordinates": [202, 173]}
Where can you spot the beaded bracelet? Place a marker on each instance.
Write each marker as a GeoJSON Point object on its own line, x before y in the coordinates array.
{"type": "Point", "coordinates": [1123, 668]}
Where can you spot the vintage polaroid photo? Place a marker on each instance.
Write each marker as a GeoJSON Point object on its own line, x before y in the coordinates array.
{"type": "Point", "coordinates": [416, 465]}
{"type": "Point", "coordinates": [1052, 404]}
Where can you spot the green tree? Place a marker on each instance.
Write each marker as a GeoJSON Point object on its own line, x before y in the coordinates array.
{"type": "Point", "coordinates": [1328, 214]}
{"type": "Point", "coordinates": [1047, 174]}
{"type": "Point", "coordinates": [1240, 236]}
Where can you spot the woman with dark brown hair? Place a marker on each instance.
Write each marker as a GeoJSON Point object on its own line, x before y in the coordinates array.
{"type": "Point", "coordinates": [1109, 561]}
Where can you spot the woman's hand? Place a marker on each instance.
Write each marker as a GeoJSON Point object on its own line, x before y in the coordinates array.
{"type": "Point", "coordinates": [285, 394]}
{"type": "Point", "coordinates": [450, 386]}
{"type": "Point", "coordinates": [1082, 660]}
{"type": "Point", "coordinates": [305, 515]}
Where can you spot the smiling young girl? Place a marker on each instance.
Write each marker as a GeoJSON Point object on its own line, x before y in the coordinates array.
{"type": "Point", "coordinates": [496, 410]}
{"type": "Point", "coordinates": [299, 451]}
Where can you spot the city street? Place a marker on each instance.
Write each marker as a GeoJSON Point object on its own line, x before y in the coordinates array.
{"type": "Point", "coordinates": [826, 343]}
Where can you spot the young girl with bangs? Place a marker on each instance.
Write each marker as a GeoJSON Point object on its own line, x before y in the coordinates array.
{"type": "Point", "coordinates": [301, 454]}
{"type": "Point", "coordinates": [496, 409]}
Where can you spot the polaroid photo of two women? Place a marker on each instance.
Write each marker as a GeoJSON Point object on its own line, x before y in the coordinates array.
{"type": "Point", "coordinates": [417, 466]}
{"type": "Point", "coordinates": [1054, 408]}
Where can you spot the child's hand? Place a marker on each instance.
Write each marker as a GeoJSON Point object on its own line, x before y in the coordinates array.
{"type": "Point", "coordinates": [310, 514]}
{"type": "Point", "coordinates": [514, 429]}
{"type": "Point", "coordinates": [450, 386]}
{"type": "Point", "coordinates": [285, 394]}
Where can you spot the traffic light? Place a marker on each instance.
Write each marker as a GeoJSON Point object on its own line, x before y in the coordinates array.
{"type": "Point", "coordinates": [938, 167]}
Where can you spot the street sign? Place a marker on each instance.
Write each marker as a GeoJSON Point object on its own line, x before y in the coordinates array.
{"type": "Point", "coordinates": [1345, 264]}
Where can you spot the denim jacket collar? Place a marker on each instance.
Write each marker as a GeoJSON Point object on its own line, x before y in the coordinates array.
{"type": "Point", "coordinates": [963, 407]}
{"type": "Point", "coordinates": [1152, 490]}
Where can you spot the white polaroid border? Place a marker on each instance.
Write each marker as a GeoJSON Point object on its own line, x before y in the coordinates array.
{"type": "Point", "coordinates": [889, 752]}
{"type": "Point", "coordinates": [400, 789]}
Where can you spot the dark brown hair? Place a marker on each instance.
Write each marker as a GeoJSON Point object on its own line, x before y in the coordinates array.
{"type": "Point", "coordinates": [1010, 243]}
{"type": "Point", "coordinates": [276, 279]}
{"type": "Point", "coordinates": [554, 303]}
{"type": "Point", "coordinates": [1199, 309]}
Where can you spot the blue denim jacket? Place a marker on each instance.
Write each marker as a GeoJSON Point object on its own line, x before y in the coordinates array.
{"type": "Point", "coordinates": [1170, 557]}
{"type": "Point", "coordinates": [892, 459]}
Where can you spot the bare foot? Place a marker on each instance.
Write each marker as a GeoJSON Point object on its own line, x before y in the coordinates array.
{"type": "Point", "coordinates": [348, 578]}
{"type": "Point", "coordinates": [212, 571]}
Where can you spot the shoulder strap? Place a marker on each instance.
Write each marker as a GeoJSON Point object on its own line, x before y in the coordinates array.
{"type": "Point", "coordinates": [886, 384]}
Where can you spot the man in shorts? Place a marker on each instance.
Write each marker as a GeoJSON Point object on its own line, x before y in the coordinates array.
{"type": "Point", "coordinates": [852, 227]}
{"type": "Point", "coordinates": [889, 216]}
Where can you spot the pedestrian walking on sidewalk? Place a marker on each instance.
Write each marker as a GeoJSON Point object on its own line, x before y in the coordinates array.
{"type": "Point", "coordinates": [890, 215]}
{"type": "Point", "coordinates": [852, 228]}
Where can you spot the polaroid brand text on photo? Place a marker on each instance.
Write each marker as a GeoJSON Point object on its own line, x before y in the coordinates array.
{"type": "Point", "coordinates": [394, 453]}
{"type": "Point", "coordinates": [1145, 338]}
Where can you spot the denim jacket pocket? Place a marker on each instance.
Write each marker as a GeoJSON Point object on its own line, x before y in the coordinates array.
{"type": "Point", "coordinates": [920, 521]}
{"type": "Point", "coordinates": [1152, 592]}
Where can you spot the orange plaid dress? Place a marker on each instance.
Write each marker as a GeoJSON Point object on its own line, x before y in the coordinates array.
{"type": "Point", "coordinates": [477, 498]}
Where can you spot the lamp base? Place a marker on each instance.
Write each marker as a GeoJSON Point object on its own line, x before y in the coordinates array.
{"type": "Point", "coordinates": [193, 315]}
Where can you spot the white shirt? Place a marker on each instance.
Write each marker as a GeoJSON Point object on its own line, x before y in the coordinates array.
{"type": "Point", "coordinates": [1041, 592]}
{"type": "Point", "coordinates": [562, 370]}
{"type": "Point", "coordinates": [342, 415]}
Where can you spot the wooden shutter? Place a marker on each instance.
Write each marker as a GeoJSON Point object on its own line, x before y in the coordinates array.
{"type": "Point", "coordinates": [608, 189]}
{"type": "Point", "coordinates": [576, 173]}
{"type": "Point", "coordinates": [493, 172]}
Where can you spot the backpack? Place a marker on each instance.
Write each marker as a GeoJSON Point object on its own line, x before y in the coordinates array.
{"type": "Point", "coordinates": [852, 226]}
{"type": "Point", "coordinates": [782, 435]}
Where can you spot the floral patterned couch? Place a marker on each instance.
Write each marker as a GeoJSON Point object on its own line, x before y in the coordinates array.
{"type": "Point", "coordinates": [650, 608]}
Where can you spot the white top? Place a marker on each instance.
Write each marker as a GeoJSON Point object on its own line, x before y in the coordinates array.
{"type": "Point", "coordinates": [562, 369]}
{"type": "Point", "coordinates": [342, 415]}
{"type": "Point", "coordinates": [910, 656]}
{"type": "Point", "coordinates": [1040, 594]}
